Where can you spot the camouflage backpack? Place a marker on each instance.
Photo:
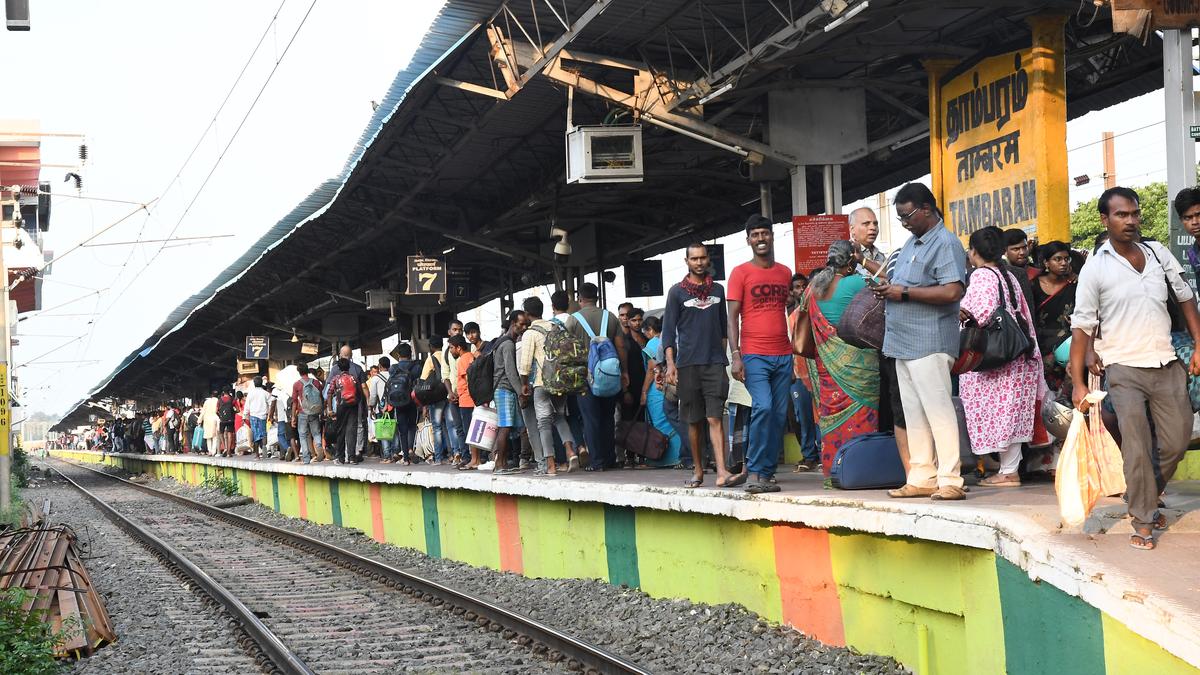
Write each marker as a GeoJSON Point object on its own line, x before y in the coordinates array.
{"type": "Point", "coordinates": [564, 370]}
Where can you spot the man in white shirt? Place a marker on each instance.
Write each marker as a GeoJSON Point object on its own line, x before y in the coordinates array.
{"type": "Point", "coordinates": [864, 230]}
{"type": "Point", "coordinates": [257, 401]}
{"type": "Point", "coordinates": [1121, 311]}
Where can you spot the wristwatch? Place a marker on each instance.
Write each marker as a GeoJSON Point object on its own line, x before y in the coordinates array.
{"type": "Point", "coordinates": [904, 294]}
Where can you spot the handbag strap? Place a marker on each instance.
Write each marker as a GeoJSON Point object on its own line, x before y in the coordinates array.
{"type": "Point", "coordinates": [1171, 297]}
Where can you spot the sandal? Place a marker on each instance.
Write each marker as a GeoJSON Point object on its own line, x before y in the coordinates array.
{"type": "Point", "coordinates": [694, 483]}
{"type": "Point", "coordinates": [1142, 542]}
{"type": "Point", "coordinates": [573, 464]}
{"type": "Point", "coordinates": [1160, 521]}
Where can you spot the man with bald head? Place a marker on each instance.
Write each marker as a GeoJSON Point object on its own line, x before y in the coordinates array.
{"type": "Point", "coordinates": [864, 230]}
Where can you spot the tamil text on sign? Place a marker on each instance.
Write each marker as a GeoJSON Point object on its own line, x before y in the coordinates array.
{"type": "Point", "coordinates": [426, 276]}
{"type": "Point", "coordinates": [813, 235]}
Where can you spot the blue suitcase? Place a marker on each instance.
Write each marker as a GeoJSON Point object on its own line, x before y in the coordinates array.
{"type": "Point", "coordinates": [869, 462]}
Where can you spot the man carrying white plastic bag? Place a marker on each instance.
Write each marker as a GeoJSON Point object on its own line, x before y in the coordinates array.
{"type": "Point", "coordinates": [1131, 296]}
{"type": "Point", "coordinates": [1089, 466]}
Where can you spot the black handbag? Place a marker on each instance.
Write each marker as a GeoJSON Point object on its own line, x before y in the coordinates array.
{"type": "Point", "coordinates": [1178, 324]}
{"type": "Point", "coordinates": [1003, 338]}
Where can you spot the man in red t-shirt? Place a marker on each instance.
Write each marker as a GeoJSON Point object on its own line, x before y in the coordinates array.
{"type": "Point", "coordinates": [762, 350]}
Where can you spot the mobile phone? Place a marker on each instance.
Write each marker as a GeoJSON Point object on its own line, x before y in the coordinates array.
{"type": "Point", "coordinates": [872, 281]}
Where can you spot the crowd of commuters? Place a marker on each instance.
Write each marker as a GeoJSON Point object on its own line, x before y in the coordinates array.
{"type": "Point", "coordinates": [718, 373]}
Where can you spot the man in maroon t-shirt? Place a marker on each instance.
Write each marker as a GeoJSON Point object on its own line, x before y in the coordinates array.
{"type": "Point", "coordinates": [762, 351]}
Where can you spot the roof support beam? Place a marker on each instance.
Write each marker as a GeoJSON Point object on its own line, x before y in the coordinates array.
{"type": "Point", "coordinates": [471, 87]}
{"type": "Point", "coordinates": [551, 53]}
{"type": "Point", "coordinates": [648, 101]}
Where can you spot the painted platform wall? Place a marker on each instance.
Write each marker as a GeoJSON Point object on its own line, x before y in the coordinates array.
{"type": "Point", "coordinates": [875, 593]}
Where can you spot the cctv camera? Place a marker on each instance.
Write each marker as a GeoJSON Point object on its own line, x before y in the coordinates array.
{"type": "Point", "coordinates": [562, 249]}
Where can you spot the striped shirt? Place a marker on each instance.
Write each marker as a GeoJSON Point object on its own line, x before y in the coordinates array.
{"type": "Point", "coordinates": [915, 330]}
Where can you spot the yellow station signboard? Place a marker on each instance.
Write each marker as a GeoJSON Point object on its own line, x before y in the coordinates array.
{"type": "Point", "coordinates": [1001, 157]}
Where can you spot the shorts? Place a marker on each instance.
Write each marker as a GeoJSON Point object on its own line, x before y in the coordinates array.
{"type": "Point", "coordinates": [507, 410]}
{"type": "Point", "coordinates": [227, 427]}
{"type": "Point", "coordinates": [702, 392]}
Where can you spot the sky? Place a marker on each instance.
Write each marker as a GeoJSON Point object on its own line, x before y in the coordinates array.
{"type": "Point", "coordinates": [144, 80]}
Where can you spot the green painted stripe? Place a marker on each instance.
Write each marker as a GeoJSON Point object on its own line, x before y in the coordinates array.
{"type": "Point", "coordinates": [620, 542]}
{"type": "Point", "coordinates": [275, 490]}
{"type": "Point", "coordinates": [1046, 630]}
{"type": "Point", "coordinates": [335, 502]}
{"type": "Point", "coordinates": [433, 537]}
{"type": "Point", "coordinates": [205, 471]}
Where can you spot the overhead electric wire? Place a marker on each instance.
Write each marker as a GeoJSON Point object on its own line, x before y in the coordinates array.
{"type": "Point", "coordinates": [221, 156]}
{"type": "Point", "coordinates": [179, 173]}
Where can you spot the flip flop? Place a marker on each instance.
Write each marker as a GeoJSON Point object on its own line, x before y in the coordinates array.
{"type": "Point", "coordinates": [733, 481]}
{"type": "Point", "coordinates": [694, 483]}
{"type": "Point", "coordinates": [1160, 521]}
{"type": "Point", "coordinates": [1142, 542]}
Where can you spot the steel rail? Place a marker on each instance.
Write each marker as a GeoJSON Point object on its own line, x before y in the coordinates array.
{"type": "Point", "coordinates": [588, 656]}
{"type": "Point", "coordinates": [281, 658]}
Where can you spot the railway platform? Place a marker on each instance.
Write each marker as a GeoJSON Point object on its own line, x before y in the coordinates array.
{"type": "Point", "coordinates": [989, 585]}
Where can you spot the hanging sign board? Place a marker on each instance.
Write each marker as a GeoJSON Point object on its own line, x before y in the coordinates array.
{"type": "Point", "coordinates": [426, 276]}
{"type": "Point", "coordinates": [245, 367]}
{"type": "Point", "coordinates": [310, 348]}
{"type": "Point", "coordinates": [716, 261]}
{"type": "Point", "coordinates": [462, 284]}
{"type": "Point", "coordinates": [371, 347]}
{"type": "Point", "coordinates": [813, 235]}
{"type": "Point", "coordinates": [643, 279]}
{"type": "Point", "coordinates": [258, 347]}
{"type": "Point", "coordinates": [1137, 16]}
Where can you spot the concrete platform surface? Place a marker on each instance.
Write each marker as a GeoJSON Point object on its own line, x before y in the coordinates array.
{"type": "Point", "coordinates": [1154, 593]}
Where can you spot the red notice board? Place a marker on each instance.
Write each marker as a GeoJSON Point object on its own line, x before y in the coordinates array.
{"type": "Point", "coordinates": [813, 235]}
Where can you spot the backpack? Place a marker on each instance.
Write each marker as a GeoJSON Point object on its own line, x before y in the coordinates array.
{"type": "Point", "coordinates": [431, 390]}
{"type": "Point", "coordinates": [225, 409]}
{"type": "Point", "coordinates": [310, 396]}
{"type": "Point", "coordinates": [346, 389]}
{"type": "Point", "coordinates": [565, 366]}
{"type": "Point", "coordinates": [603, 366]}
{"type": "Point", "coordinates": [399, 389]}
{"type": "Point", "coordinates": [481, 374]}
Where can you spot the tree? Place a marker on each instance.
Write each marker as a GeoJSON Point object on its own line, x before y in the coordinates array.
{"type": "Point", "coordinates": [1156, 217]}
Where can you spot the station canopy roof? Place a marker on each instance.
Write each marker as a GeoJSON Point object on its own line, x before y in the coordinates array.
{"type": "Point", "coordinates": [459, 156]}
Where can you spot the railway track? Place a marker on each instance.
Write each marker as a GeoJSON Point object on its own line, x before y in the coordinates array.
{"type": "Point", "coordinates": [305, 606]}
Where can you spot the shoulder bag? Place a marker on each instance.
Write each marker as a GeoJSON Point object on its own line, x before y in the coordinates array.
{"type": "Point", "coordinates": [862, 323]}
{"type": "Point", "coordinates": [1003, 338]}
{"type": "Point", "coordinates": [1181, 339]}
{"type": "Point", "coordinates": [803, 342]}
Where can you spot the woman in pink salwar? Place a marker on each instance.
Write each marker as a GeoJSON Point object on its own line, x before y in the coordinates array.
{"type": "Point", "coordinates": [999, 403]}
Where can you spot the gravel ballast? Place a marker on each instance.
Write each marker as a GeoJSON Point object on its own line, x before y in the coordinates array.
{"type": "Point", "coordinates": [663, 636]}
{"type": "Point", "coordinates": [162, 626]}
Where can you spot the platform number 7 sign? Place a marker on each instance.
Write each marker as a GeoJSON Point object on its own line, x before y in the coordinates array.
{"type": "Point", "coordinates": [258, 347]}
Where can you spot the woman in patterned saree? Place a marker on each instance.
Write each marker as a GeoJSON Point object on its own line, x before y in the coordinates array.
{"type": "Point", "coordinates": [845, 378]}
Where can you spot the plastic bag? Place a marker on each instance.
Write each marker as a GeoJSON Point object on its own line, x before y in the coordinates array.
{"type": "Point", "coordinates": [1089, 466]}
{"type": "Point", "coordinates": [243, 436]}
{"type": "Point", "coordinates": [425, 441]}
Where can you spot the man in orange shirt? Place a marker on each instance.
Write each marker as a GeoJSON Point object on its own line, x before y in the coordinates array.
{"type": "Point", "coordinates": [460, 349]}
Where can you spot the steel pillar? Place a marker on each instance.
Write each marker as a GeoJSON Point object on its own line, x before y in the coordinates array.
{"type": "Point", "coordinates": [1179, 103]}
{"type": "Point", "coordinates": [766, 208]}
{"type": "Point", "coordinates": [832, 175]}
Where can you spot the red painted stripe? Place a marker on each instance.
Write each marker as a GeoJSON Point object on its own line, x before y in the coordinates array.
{"type": "Point", "coordinates": [508, 526]}
{"type": "Point", "coordinates": [376, 514]}
{"type": "Point", "coordinates": [806, 584]}
{"type": "Point", "coordinates": [303, 496]}
{"type": "Point", "coordinates": [253, 487]}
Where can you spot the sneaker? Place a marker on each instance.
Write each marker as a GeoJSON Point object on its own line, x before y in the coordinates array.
{"type": "Point", "coordinates": [487, 466]}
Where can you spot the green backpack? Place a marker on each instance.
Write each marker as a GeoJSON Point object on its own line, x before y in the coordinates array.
{"type": "Point", "coordinates": [564, 370]}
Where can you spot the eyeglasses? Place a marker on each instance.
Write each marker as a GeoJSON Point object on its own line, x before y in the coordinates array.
{"type": "Point", "coordinates": [904, 218]}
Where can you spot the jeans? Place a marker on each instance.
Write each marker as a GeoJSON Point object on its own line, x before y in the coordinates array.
{"type": "Point", "coordinates": [551, 413]}
{"type": "Point", "coordinates": [308, 428]}
{"type": "Point", "coordinates": [599, 428]}
{"type": "Point", "coordinates": [456, 429]}
{"type": "Point", "coordinates": [445, 431]}
{"type": "Point", "coordinates": [768, 379]}
{"type": "Point", "coordinates": [809, 434]}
